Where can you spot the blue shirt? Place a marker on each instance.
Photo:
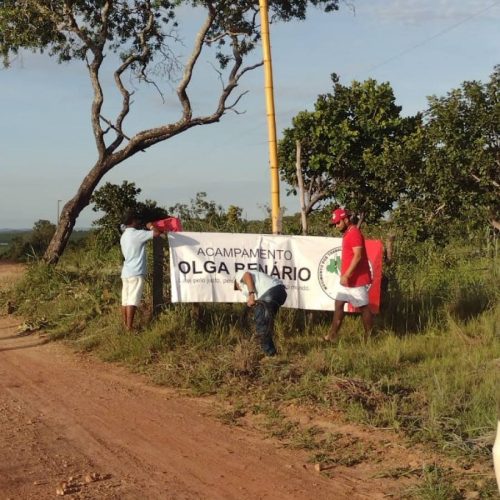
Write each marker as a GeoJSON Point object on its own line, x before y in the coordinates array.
{"type": "Point", "coordinates": [133, 244]}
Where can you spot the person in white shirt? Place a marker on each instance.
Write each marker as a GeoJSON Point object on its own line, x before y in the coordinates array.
{"type": "Point", "coordinates": [266, 294]}
{"type": "Point", "coordinates": [133, 245]}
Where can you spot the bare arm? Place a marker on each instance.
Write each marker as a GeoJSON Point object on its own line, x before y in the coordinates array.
{"type": "Point", "coordinates": [249, 282]}
{"type": "Point", "coordinates": [150, 226]}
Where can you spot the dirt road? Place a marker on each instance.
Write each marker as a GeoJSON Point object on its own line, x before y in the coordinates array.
{"type": "Point", "coordinates": [65, 417]}
{"type": "Point", "coordinates": [70, 424]}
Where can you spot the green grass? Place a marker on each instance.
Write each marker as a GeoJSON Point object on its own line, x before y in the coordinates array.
{"type": "Point", "coordinates": [435, 484]}
{"type": "Point", "coordinates": [430, 372]}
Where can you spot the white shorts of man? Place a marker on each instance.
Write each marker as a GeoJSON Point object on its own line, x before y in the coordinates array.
{"type": "Point", "coordinates": [132, 289]}
{"type": "Point", "coordinates": [357, 296]}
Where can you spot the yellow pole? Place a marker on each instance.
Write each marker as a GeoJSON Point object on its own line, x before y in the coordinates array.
{"type": "Point", "coordinates": [271, 117]}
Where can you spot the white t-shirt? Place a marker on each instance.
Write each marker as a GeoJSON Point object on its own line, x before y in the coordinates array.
{"type": "Point", "coordinates": [133, 244]}
{"type": "Point", "coordinates": [262, 282]}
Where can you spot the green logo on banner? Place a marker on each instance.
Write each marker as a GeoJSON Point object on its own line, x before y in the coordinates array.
{"type": "Point", "coordinates": [334, 265]}
{"type": "Point", "coordinates": [329, 271]}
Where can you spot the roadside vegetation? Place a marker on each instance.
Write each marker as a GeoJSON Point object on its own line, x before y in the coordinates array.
{"type": "Point", "coordinates": [430, 372]}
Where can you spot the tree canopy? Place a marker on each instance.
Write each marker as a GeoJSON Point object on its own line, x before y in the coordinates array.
{"type": "Point", "coordinates": [458, 173]}
{"type": "Point", "coordinates": [349, 145]}
{"type": "Point", "coordinates": [113, 202]}
{"type": "Point", "coordinates": [439, 167]}
{"type": "Point", "coordinates": [33, 244]}
{"type": "Point", "coordinates": [147, 38]}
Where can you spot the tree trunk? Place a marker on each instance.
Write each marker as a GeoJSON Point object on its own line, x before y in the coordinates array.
{"type": "Point", "coordinates": [71, 211]}
{"type": "Point", "coordinates": [389, 248]}
{"type": "Point", "coordinates": [300, 184]}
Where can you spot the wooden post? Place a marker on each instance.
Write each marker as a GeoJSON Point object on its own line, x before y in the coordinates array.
{"type": "Point", "coordinates": [158, 299]}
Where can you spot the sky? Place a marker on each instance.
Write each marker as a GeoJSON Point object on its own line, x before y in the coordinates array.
{"type": "Point", "coordinates": [421, 47]}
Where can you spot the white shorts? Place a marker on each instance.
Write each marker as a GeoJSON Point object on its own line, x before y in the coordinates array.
{"type": "Point", "coordinates": [356, 296]}
{"type": "Point", "coordinates": [496, 455]}
{"type": "Point", "coordinates": [132, 290]}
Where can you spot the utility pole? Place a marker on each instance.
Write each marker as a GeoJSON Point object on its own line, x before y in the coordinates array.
{"type": "Point", "coordinates": [271, 118]}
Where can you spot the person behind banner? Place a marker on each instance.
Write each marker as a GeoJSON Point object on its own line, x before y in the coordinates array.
{"type": "Point", "coordinates": [355, 276]}
{"type": "Point", "coordinates": [133, 245]}
{"type": "Point", "coordinates": [265, 294]}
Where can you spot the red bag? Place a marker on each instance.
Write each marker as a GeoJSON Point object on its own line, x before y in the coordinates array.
{"type": "Point", "coordinates": [172, 224]}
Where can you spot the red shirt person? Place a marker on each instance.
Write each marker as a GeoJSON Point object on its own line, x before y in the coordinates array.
{"type": "Point", "coordinates": [355, 275]}
{"type": "Point", "coordinates": [352, 240]}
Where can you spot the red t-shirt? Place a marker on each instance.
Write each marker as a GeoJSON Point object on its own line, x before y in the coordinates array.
{"type": "Point", "coordinates": [361, 275]}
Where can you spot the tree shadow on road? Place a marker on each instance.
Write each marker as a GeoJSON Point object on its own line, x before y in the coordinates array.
{"type": "Point", "coordinates": [25, 346]}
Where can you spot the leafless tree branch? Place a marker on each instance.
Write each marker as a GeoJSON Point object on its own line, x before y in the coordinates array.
{"type": "Point", "coordinates": [188, 70]}
{"type": "Point", "coordinates": [249, 68]}
{"type": "Point", "coordinates": [126, 94]}
{"type": "Point", "coordinates": [111, 126]}
{"type": "Point", "coordinates": [225, 34]}
{"type": "Point", "coordinates": [93, 67]}
{"type": "Point", "coordinates": [235, 103]}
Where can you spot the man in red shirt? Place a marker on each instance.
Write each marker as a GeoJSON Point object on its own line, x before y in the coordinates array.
{"type": "Point", "coordinates": [355, 275]}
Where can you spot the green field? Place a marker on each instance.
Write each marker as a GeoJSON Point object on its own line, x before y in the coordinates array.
{"type": "Point", "coordinates": [9, 237]}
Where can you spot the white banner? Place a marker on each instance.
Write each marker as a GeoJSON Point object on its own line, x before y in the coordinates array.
{"type": "Point", "coordinates": [203, 265]}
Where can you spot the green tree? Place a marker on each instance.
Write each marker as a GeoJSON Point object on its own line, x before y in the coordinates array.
{"type": "Point", "coordinates": [114, 201]}
{"type": "Point", "coordinates": [146, 36]}
{"type": "Point", "coordinates": [40, 237]}
{"type": "Point", "coordinates": [349, 146]}
{"type": "Point", "coordinates": [457, 179]}
{"type": "Point", "coordinates": [32, 244]}
{"type": "Point", "coordinates": [234, 214]}
{"type": "Point", "coordinates": [202, 214]}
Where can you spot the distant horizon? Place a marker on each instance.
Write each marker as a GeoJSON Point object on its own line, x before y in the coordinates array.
{"type": "Point", "coordinates": [24, 229]}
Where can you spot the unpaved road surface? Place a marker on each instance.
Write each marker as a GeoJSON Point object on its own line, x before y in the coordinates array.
{"type": "Point", "coordinates": [65, 417]}
{"type": "Point", "coordinates": [71, 424]}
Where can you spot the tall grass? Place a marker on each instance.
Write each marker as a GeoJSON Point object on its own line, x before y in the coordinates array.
{"type": "Point", "coordinates": [430, 371]}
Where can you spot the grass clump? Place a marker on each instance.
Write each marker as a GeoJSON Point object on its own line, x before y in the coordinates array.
{"type": "Point", "coordinates": [435, 484]}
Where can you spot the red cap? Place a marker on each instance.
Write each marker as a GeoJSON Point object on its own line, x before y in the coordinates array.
{"type": "Point", "coordinates": [339, 214]}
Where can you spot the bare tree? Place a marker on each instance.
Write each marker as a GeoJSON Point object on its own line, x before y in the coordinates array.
{"type": "Point", "coordinates": [144, 34]}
